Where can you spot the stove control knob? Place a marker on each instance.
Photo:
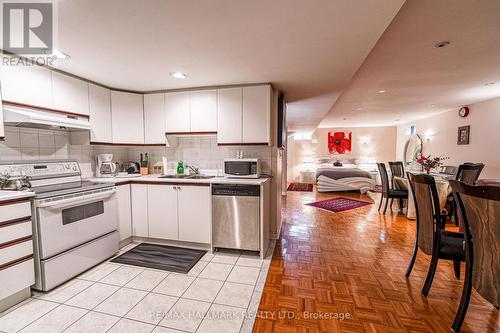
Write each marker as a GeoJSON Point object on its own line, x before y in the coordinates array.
{"type": "Point", "coordinates": [75, 168]}
{"type": "Point", "coordinates": [66, 166]}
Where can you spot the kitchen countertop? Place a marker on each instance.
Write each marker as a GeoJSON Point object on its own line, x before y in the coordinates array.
{"type": "Point", "coordinates": [156, 178]}
{"type": "Point", "coordinates": [14, 195]}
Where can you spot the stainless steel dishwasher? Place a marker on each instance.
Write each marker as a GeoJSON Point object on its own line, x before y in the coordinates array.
{"type": "Point", "coordinates": [236, 216]}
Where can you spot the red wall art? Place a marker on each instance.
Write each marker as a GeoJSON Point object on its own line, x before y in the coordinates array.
{"type": "Point", "coordinates": [339, 143]}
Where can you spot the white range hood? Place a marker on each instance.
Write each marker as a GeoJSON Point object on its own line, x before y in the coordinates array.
{"type": "Point", "coordinates": [27, 117]}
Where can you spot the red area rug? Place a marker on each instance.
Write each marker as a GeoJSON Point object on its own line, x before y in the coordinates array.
{"type": "Point", "coordinates": [300, 187]}
{"type": "Point", "coordinates": [339, 204]}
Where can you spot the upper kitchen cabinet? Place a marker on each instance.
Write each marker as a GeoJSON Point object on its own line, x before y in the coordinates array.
{"type": "Point", "coordinates": [244, 115]}
{"type": "Point", "coordinates": [154, 118]}
{"type": "Point", "coordinates": [30, 85]}
{"type": "Point", "coordinates": [127, 117]}
{"type": "Point", "coordinates": [100, 114]}
{"type": "Point", "coordinates": [70, 94]}
{"type": "Point", "coordinates": [256, 114]}
{"type": "Point", "coordinates": [229, 116]}
{"type": "Point", "coordinates": [203, 111]}
{"type": "Point", "coordinates": [177, 112]}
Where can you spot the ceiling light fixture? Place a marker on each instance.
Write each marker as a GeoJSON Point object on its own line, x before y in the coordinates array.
{"type": "Point", "coordinates": [59, 55]}
{"type": "Point", "coordinates": [381, 91]}
{"type": "Point", "coordinates": [442, 44]}
{"type": "Point", "coordinates": [178, 75]}
{"type": "Point", "coordinates": [489, 83]}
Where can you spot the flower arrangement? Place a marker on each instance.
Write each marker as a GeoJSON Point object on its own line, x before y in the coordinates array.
{"type": "Point", "coordinates": [428, 162]}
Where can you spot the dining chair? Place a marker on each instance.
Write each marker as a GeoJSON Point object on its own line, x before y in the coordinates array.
{"type": "Point", "coordinates": [469, 174]}
{"type": "Point", "coordinates": [479, 208]}
{"type": "Point", "coordinates": [431, 237]}
{"type": "Point", "coordinates": [387, 192]}
{"type": "Point", "coordinates": [397, 170]}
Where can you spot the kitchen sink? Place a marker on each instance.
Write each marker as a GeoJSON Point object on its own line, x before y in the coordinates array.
{"type": "Point", "coordinates": [200, 177]}
{"type": "Point", "coordinates": [175, 176]}
{"type": "Point", "coordinates": [187, 176]}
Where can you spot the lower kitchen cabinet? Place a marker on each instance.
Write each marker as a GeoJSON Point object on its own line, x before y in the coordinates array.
{"type": "Point", "coordinates": [194, 213]}
{"type": "Point", "coordinates": [139, 202]}
{"type": "Point", "coordinates": [162, 212]}
{"type": "Point", "coordinates": [124, 211]}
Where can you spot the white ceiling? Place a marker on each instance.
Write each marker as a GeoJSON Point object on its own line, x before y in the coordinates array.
{"type": "Point", "coordinates": [420, 79]}
{"type": "Point", "coordinates": [309, 49]}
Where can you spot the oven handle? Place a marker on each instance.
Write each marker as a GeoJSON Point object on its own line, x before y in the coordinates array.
{"type": "Point", "coordinates": [79, 200]}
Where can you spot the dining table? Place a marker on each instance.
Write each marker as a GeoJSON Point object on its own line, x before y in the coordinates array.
{"type": "Point", "coordinates": [443, 188]}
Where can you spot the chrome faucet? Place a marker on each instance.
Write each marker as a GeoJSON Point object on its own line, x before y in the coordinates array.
{"type": "Point", "coordinates": [194, 170]}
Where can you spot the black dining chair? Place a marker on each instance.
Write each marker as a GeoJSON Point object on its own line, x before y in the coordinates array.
{"type": "Point", "coordinates": [397, 170]}
{"type": "Point", "coordinates": [469, 174]}
{"type": "Point", "coordinates": [479, 208]}
{"type": "Point", "coordinates": [431, 237]}
{"type": "Point", "coordinates": [387, 192]}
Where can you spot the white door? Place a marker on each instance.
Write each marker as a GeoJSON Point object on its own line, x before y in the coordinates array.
{"type": "Point", "coordinates": [162, 212]}
{"type": "Point", "coordinates": [31, 85]}
{"type": "Point", "coordinates": [127, 117]}
{"type": "Point", "coordinates": [124, 211]}
{"type": "Point", "coordinates": [139, 203]}
{"type": "Point", "coordinates": [100, 114]}
{"type": "Point", "coordinates": [257, 114]}
{"type": "Point", "coordinates": [154, 118]}
{"type": "Point", "coordinates": [177, 112]}
{"type": "Point", "coordinates": [229, 115]}
{"type": "Point", "coordinates": [195, 214]}
{"type": "Point", "coordinates": [70, 94]}
{"type": "Point", "coordinates": [204, 111]}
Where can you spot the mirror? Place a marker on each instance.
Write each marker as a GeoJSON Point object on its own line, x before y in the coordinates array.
{"type": "Point", "coordinates": [412, 149]}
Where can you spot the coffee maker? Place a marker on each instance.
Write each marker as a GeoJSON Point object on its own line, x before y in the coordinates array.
{"type": "Point", "coordinates": [105, 166]}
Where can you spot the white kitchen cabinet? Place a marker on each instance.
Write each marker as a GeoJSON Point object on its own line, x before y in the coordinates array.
{"type": "Point", "coordinates": [154, 118]}
{"type": "Point", "coordinates": [31, 85]}
{"type": "Point", "coordinates": [70, 94]}
{"type": "Point", "coordinates": [162, 211]}
{"type": "Point", "coordinates": [2, 130]}
{"type": "Point", "coordinates": [100, 114]}
{"type": "Point", "coordinates": [124, 211]}
{"type": "Point", "coordinates": [194, 224]}
{"type": "Point", "coordinates": [177, 112]}
{"type": "Point", "coordinates": [203, 111]}
{"type": "Point", "coordinates": [127, 116]}
{"type": "Point", "coordinates": [229, 115]}
{"type": "Point", "coordinates": [139, 203]}
{"type": "Point", "coordinates": [256, 114]}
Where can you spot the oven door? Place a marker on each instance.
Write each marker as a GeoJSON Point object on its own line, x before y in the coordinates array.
{"type": "Point", "coordinates": [69, 222]}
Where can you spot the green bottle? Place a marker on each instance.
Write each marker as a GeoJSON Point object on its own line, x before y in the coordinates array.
{"type": "Point", "coordinates": [180, 168]}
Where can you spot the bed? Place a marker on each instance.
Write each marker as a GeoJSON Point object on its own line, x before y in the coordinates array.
{"type": "Point", "coordinates": [343, 178]}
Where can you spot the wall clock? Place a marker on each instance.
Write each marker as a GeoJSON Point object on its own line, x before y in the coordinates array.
{"type": "Point", "coordinates": [463, 112]}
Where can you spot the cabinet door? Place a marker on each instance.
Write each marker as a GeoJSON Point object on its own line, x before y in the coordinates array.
{"type": "Point", "coordinates": [127, 117]}
{"type": "Point", "coordinates": [139, 203]}
{"type": "Point", "coordinates": [2, 130]}
{"type": "Point", "coordinates": [204, 111]}
{"type": "Point", "coordinates": [257, 114]}
{"type": "Point", "coordinates": [30, 85]}
{"type": "Point", "coordinates": [229, 115]}
{"type": "Point", "coordinates": [70, 94]}
{"type": "Point", "coordinates": [100, 114]}
{"type": "Point", "coordinates": [124, 211]}
{"type": "Point", "coordinates": [154, 118]}
{"type": "Point", "coordinates": [162, 212]}
{"type": "Point", "coordinates": [194, 224]}
{"type": "Point", "coordinates": [177, 112]}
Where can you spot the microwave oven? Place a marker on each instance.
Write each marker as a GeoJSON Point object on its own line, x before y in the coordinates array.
{"type": "Point", "coordinates": [242, 168]}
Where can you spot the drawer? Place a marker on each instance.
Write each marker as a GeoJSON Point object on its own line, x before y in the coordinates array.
{"type": "Point", "coordinates": [15, 231]}
{"type": "Point", "coordinates": [14, 211]}
{"type": "Point", "coordinates": [17, 277]}
{"type": "Point", "coordinates": [16, 251]}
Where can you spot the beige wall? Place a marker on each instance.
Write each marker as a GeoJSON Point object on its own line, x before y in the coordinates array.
{"type": "Point", "coordinates": [380, 142]}
{"type": "Point", "coordinates": [484, 120]}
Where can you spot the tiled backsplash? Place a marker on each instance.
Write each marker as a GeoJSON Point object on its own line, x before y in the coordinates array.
{"type": "Point", "coordinates": [199, 151]}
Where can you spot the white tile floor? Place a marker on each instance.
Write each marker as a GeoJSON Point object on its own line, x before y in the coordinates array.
{"type": "Point", "coordinates": [221, 293]}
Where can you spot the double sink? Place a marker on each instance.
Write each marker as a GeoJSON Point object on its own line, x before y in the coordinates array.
{"type": "Point", "coordinates": [187, 176]}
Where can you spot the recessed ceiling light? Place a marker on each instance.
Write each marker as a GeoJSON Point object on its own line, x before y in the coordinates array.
{"type": "Point", "coordinates": [178, 75]}
{"type": "Point", "coordinates": [381, 91]}
{"type": "Point", "coordinates": [432, 105]}
{"type": "Point", "coordinates": [60, 55]}
{"type": "Point", "coordinates": [360, 108]}
{"type": "Point", "coordinates": [489, 83]}
{"type": "Point", "coordinates": [442, 44]}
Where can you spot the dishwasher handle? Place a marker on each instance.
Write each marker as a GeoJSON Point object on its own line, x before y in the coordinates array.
{"type": "Point", "coordinates": [236, 190]}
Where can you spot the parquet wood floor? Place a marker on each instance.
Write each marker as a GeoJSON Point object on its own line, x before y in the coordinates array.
{"type": "Point", "coordinates": [353, 263]}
